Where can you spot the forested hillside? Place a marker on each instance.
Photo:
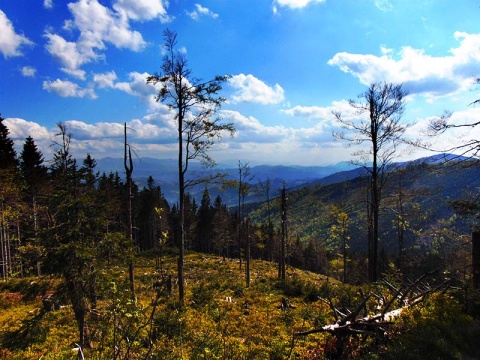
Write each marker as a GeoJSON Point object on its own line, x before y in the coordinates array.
{"type": "Point", "coordinates": [417, 213]}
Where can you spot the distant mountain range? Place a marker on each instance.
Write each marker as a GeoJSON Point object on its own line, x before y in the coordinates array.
{"type": "Point", "coordinates": [165, 174]}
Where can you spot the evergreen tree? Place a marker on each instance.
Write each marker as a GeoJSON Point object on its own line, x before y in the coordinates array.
{"type": "Point", "coordinates": [34, 175]}
{"type": "Point", "coordinates": [87, 172]}
{"type": "Point", "coordinates": [77, 227]}
{"type": "Point", "coordinates": [8, 155]}
{"type": "Point", "coordinates": [10, 201]}
{"type": "Point", "coordinates": [149, 222]}
{"type": "Point", "coordinates": [204, 226]}
{"type": "Point", "coordinates": [223, 228]}
{"type": "Point", "coordinates": [110, 192]}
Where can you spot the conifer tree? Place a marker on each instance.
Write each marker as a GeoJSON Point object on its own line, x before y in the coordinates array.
{"type": "Point", "coordinates": [76, 228]}
{"type": "Point", "coordinates": [8, 155]}
{"type": "Point", "coordinates": [87, 172]}
{"type": "Point", "coordinates": [34, 175]}
{"type": "Point", "coordinates": [10, 205]}
{"type": "Point", "coordinates": [223, 229]}
{"type": "Point", "coordinates": [204, 226]}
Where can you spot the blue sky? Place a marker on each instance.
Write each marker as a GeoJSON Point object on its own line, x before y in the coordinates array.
{"type": "Point", "coordinates": [292, 62]}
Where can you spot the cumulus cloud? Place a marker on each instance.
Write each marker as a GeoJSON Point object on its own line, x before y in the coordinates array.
{"type": "Point", "coordinates": [65, 88]}
{"type": "Point", "coordinates": [137, 86]}
{"type": "Point", "coordinates": [250, 129]}
{"type": "Point", "coordinates": [105, 80]}
{"type": "Point", "coordinates": [28, 71]}
{"type": "Point", "coordinates": [99, 139]}
{"type": "Point", "coordinates": [71, 55]}
{"type": "Point", "coordinates": [83, 131]}
{"type": "Point", "coordinates": [97, 26]}
{"type": "Point", "coordinates": [321, 112]}
{"type": "Point", "coordinates": [11, 42]}
{"type": "Point", "coordinates": [420, 72]}
{"type": "Point", "coordinates": [141, 131]}
{"type": "Point", "coordinates": [296, 4]}
{"type": "Point", "coordinates": [155, 134]}
{"type": "Point", "coordinates": [201, 11]}
{"type": "Point", "coordinates": [48, 4]}
{"type": "Point", "coordinates": [143, 9]}
{"type": "Point", "coordinates": [20, 129]}
{"type": "Point", "coordinates": [252, 90]}
{"type": "Point", "coordinates": [257, 142]}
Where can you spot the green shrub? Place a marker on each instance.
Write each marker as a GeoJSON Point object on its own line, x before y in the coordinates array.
{"type": "Point", "coordinates": [436, 330]}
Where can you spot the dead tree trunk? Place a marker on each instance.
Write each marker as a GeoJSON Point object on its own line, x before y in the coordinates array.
{"type": "Point", "coordinates": [284, 234]}
{"type": "Point", "coordinates": [476, 259]}
{"type": "Point", "coordinates": [376, 324]}
{"type": "Point", "coordinates": [128, 171]}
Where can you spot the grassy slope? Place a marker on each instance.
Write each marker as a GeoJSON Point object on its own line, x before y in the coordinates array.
{"type": "Point", "coordinates": [252, 326]}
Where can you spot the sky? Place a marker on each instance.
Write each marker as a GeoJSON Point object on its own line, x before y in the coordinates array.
{"type": "Point", "coordinates": [293, 63]}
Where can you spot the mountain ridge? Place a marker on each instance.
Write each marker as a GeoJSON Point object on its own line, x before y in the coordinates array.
{"type": "Point", "coordinates": [165, 174]}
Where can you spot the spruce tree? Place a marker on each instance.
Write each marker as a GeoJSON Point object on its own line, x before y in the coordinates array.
{"type": "Point", "coordinates": [204, 226]}
{"type": "Point", "coordinates": [8, 155]}
{"type": "Point", "coordinates": [10, 204]}
{"type": "Point", "coordinates": [34, 177]}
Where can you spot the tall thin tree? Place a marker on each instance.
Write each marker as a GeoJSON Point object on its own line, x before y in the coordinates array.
{"type": "Point", "coordinates": [195, 104]}
{"type": "Point", "coordinates": [128, 165]}
{"type": "Point", "coordinates": [384, 104]}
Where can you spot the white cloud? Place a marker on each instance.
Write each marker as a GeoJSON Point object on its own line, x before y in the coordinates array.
{"type": "Point", "coordinates": [252, 90]}
{"type": "Point", "coordinates": [82, 130]}
{"type": "Point", "coordinates": [71, 55]}
{"type": "Point", "coordinates": [420, 72]}
{"type": "Point", "coordinates": [249, 129]}
{"type": "Point", "coordinates": [143, 9]}
{"type": "Point", "coordinates": [98, 25]}
{"type": "Point", "coordinates": [77, 73]}
{"type": "Point", "coordinates": [48, 4]}
{"type": "Point", "coordinates": [20, 129]}
{"type": "Point", "coordinates": [28, 71]}
{"type": "Point", "coordinates": [66, 88]}
{"type": "Point", "coordinates": [149, 138]}
{"type": "Point", "coordinates": [105, 80]}
{"type": "Point", "coordinates": [138, 87]}
{"type": "Point", "coordinates": [10, 42]}
{"type": "Point", "coordinates": [453, 138]}
{"type": "Point", "coordinates": [260, 143]}
{"type": "Point", "coordinates": [201, 11]}
{"type": "Point", "coordinates": [296, 4]}
{"type": "Point", "coordinates": [319, 112]}
{"type": "Point", "coordinates": [384, 5]}
{"type": "Point", "coordinates": [155, 135]}
{"type": "Point", "coordinates": [141, 131]}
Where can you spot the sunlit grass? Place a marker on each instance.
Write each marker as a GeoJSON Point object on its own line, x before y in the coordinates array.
{"type": "Point", "coordinates": [222, 319]}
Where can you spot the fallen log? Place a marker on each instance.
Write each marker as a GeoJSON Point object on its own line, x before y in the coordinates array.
{"type": "Point", "coordinates": [376, 324]}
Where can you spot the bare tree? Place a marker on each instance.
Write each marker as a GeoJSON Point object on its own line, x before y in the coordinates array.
{"type": "Point", "coordinates": [265, 188]}
{"type": "Point", "coordinates": [383, 131]}
{"type": "Point", "coordinates": [195, 104]}
{"type": "Point", "coordinates": [283, 250]}
{"type": "Point", "coordinates": [467, 146]}
{"type": "Point", "coordinates": [128, 165]}
{"type": "Point", "coordinates": [244, 179]}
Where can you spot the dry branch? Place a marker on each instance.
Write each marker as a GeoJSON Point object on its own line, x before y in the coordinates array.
{"type": "Point", "coordinates": [375, 324]}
